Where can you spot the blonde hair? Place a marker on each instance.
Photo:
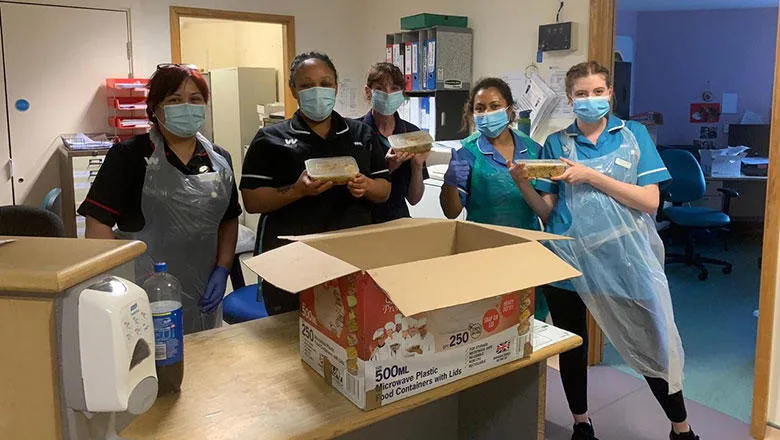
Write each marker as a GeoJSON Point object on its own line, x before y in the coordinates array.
{"type": "Point", "coordinates": [583, 70]}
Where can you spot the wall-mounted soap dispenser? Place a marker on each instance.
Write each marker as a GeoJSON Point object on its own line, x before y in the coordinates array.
{"type": "Point", "coordinates": [107, 357]}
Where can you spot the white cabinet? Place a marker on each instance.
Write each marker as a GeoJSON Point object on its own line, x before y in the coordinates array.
{"type": "Point", "coordinates": [429, 206]}
{"type": "Point", "coordinates": [56, 62]}
{"type": "Point", "coordinates": [235, 95]}
{"type": "Point", "coordinates": [78, 170]}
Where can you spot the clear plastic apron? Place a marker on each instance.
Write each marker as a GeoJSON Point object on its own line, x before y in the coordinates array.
{"type": "Point", "coordinates": [182, 216]}
{"type": "Point", "coordinates": [621, 256]}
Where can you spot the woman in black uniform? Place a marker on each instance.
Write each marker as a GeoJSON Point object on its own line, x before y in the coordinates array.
{"type": "Point", "coordinates": [274, 181]}
{"type": "Point", "coordinates": [174, 190]}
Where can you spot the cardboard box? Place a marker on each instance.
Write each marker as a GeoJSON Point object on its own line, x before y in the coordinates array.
{"type": "Point", "coordinates": [389, 311]}
{"type": "Point", "coordinates": [723, 162]}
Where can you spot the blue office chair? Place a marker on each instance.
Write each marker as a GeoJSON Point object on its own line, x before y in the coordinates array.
{"type": "Point", "coordinates": [688, 186]}
{"type": "Point", "coordinates": [242, 305]}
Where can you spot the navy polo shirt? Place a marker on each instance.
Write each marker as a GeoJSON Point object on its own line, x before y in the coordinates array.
{"type": "Point", "coordinates": [396, 206]}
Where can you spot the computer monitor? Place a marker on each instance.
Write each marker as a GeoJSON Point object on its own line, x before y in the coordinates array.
{"type": "Point", "coordinates": [755, 136]}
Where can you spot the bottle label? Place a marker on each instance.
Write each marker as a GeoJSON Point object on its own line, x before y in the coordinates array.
{"type": "Point", "coordinates": [168, 337]}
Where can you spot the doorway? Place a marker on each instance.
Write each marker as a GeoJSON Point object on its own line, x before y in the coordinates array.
{"type": "Point", "coordinates": [245, 58]}
{"type": "Point", "coordinates": [601, 48]}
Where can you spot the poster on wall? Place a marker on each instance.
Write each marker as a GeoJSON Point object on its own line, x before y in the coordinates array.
{"type": "Point", "coordinates": [705, 112]}
{"type": "Point", "coordinates": [708, 132]}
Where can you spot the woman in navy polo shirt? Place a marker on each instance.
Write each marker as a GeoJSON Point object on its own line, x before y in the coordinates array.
{"type": "Point", "coordinates": [385, 89]}
{"type": "Point", "coordinates": [478, 178]}
{"type": "Point", "coordinates": [604, 201]}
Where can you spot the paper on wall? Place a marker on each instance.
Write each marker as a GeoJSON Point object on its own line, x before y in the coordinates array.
{"type": "Point", "coordinates": [538, 97]}
{"type": "Point", "coordinates": [348, 99]}
{"type": "Point", "coordinates": [557, 81]}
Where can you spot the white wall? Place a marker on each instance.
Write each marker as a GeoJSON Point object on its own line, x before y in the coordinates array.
{"type": "Point", "coordinates": [333, 26]}
{"type": "Point", "coordinates": [505, 32]}
{"type": "Point", "coordinates": [220, 44]}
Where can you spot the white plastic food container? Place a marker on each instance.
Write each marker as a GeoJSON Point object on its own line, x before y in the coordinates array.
{"type": "Point", "coordinates": [335, 169]}
{"type": "Point", "coordinates": [415, 142]}
{"type": "Point", "coordinates": [543, 168]}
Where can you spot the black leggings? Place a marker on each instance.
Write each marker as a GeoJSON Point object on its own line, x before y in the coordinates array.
{"type": "Point", "coordinates": [569, 313]}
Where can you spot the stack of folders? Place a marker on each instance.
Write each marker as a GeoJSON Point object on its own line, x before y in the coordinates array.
{"type": "Point", "coordinates": [420, 111]}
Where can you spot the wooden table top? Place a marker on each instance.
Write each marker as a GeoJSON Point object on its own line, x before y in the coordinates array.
{"type": "Point", "coordinates": [247, 381]}
{"type": "Point", "coordinates": [52, 265]}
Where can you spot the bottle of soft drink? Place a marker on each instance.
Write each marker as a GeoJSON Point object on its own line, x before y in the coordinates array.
{"type": "Point", "coordinates": [164, 293]}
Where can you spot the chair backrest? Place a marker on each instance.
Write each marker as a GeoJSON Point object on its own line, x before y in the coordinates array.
{"type": "Point", "coordinates": [53, 202]}
{"type": "Point", "coordinates": [687, 183]}
{"type": "Point", "coordinates": [30, 221]}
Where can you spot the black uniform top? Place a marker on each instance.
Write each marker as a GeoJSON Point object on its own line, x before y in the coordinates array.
{"type": "Point", "coordinates": [276, 159]}
{"type": "Point", "coordinates": [396, 206]}
{"type": "Point", "coordinates": [115, 196]}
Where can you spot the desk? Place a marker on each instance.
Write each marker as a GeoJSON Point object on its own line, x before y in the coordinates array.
{"type": "Point", "coordinates": [749, 207]}
{"type": "Point", "coordinates": [247, 381]}
{"type": "Point", "coordinates": [34, 273]}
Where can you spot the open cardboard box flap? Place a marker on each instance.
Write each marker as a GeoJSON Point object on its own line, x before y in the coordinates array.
{"type": "Point", "coordinates": [423, 264]}
{"type": "Point", "coordinates": [368, 229]}
{"type": "Point", "coordinates": [463, 278]}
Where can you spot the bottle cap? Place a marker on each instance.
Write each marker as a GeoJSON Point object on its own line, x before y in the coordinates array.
{"type": "Point", "coordinates": [160, 267]}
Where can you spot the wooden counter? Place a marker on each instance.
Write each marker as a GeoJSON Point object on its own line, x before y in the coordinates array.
{"type": "Point", "coordinates": [34, 272]}
{"type": "Point", "coordinates": [52, 265]}
{"type": "Point", "coordinates": [247, 381]}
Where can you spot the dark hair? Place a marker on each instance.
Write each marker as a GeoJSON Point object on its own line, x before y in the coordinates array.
{"type": "Point", "coordinates": [381, 72]}
{"type": "Point", "coordinates": [583, 70]}
{"type": "Point", "coordinates": [166, 80]}
{"type": "Point", "coordinates": [305, 56]}
{"type": "Point", "coordinates": [486, 83]}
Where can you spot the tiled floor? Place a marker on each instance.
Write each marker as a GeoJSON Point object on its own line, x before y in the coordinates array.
{"type": "Point", "coordinates": [623, 408]}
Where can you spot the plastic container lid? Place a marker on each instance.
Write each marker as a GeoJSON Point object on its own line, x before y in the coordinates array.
{"type": "Point", "coordinates": [338, 169]}
{"type": "Point", "coordinates": [413, 142]}
{"type": "Point", "coordinates": [160, 267]}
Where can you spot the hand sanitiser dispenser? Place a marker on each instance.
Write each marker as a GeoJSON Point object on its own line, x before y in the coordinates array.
{"type": "Point", "coordinates": [107, 356]}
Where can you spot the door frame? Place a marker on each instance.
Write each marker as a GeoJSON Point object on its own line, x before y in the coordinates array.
{"type": "Point", "coordinates": [288, 39]}
{"type": "Point", "coordinates": [601, 42]}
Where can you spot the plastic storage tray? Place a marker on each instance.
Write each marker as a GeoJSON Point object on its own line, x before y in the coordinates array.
{"type": "Point", "coordinates": [415, 142]}
{"type": "Point", "coordinates": [543, 168]}
{"type": "Point", "coordinates": [335, 169]}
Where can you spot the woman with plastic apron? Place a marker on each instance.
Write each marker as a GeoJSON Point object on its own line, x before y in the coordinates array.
{"type": "Point", "coordinates": [478, 175]}
{"type": "Point", "coordinates": [186, 214]}
{"type": "Point", "coordinates": [604, 201]}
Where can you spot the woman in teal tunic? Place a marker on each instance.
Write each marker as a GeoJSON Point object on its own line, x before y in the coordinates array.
{"type": "Point", "coordinates": [478, 176]}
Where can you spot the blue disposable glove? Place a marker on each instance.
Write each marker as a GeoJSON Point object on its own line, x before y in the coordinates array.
{"type": "Point", "coordinates": [215, 290]}
{"type": "Point", "coordinates": [457, 173]}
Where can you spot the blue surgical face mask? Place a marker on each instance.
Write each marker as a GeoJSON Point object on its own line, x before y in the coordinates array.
{"type": "Point", "coordinates": [386, 103]}
{"type": "Point", "coordinates": [184, 120]}
{"type": "Point", "coordinates": [317, 102]}
{"type": "Point", "coordinates": [591, 109]}
{"type": "Point", "coordinates": [492, 124]}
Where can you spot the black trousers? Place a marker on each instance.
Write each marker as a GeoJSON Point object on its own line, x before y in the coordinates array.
{"type": "Point", "coordinates": [278, 301]}
{"type": "Point", "coordinates": [569, 313]}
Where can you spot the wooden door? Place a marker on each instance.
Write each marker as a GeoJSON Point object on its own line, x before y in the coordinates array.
{"type": "Point", "coordinates": [6, 187]}
{"type": "Point", "coordinates": [56, 59]}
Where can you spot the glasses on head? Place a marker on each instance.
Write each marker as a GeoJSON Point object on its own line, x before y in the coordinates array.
{"type": "Point", "coordinates": [169, 65]}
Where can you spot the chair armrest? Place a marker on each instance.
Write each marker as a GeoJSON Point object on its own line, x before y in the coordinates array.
{"type": "Point", "coordinates": [728, 194]}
